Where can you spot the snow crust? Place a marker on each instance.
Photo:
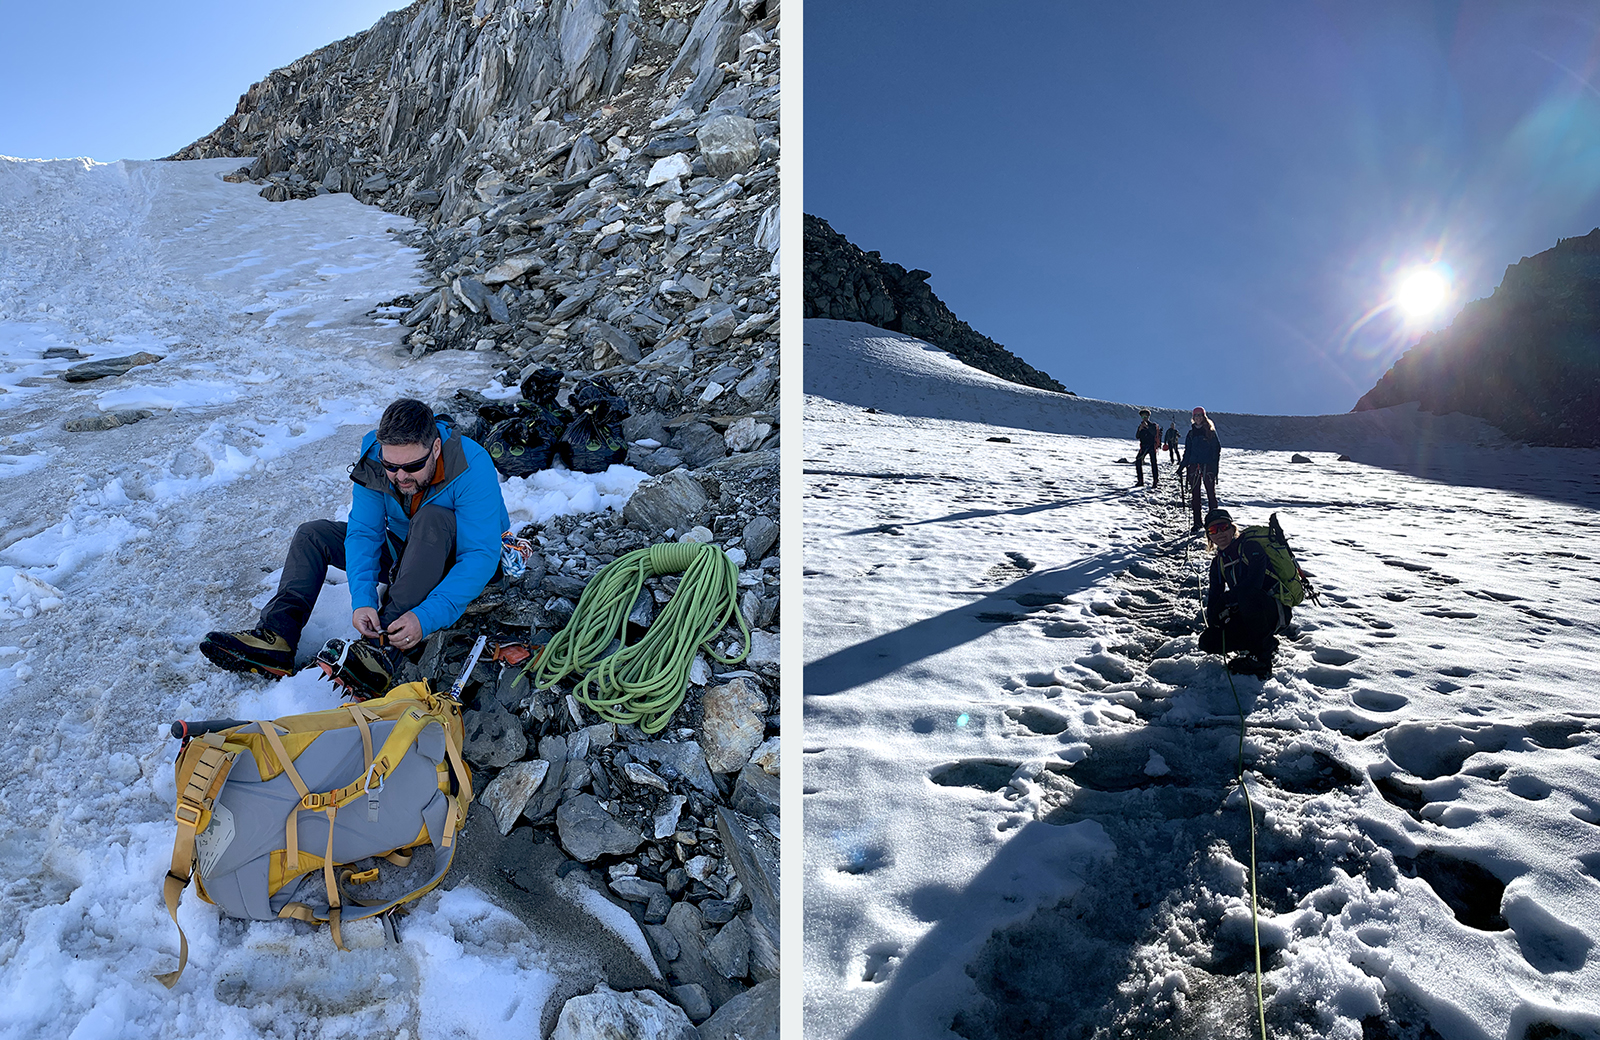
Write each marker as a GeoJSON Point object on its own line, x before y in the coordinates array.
{"type": "Point", "coordinates": [1021, 816]}
{"type": "Point", "coordinates": [120, 548]}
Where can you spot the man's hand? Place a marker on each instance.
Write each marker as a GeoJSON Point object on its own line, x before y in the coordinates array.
{"type": "Point", "coordinates": [366, 621]}
{"type": "Point", "coordinates": [405, 631]}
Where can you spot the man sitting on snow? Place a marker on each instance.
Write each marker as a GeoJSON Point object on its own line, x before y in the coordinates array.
{"type": "Point", "coordinates": [1242, 614]}
{"type": "Point", "coordinates": [426, 518]}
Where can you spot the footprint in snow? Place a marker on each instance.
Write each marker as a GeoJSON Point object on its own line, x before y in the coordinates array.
{"type": "Point", "coordinates": [1409, 565]}
{"type": "Point", "coordinates": [878, 961]}
{"type": "Point", "coordinates": [1472, 893]}
{"type": "Point", "coordinates": [1378, 700]}
{"type": "Point", "coordinates": [1355, 726]}
{"type": "Point", "coordinates": [1331, 655]}
{"type": "Point", "coordinates": [984, 774]}
{"type": "Point", "coordinates": [1548, 943]}
{"type": "Point", "coordinates": [1038, 721]}
{"type": "Point", "coordinates": [1328, 678]}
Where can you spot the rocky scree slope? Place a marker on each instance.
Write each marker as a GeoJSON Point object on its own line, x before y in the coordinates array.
{"type": "Point", "coordinates": [844, 283]}
{"type": "Point", "coordinates": [596, 188]}
{"type": "Point", "coordinates": [1526, 358]}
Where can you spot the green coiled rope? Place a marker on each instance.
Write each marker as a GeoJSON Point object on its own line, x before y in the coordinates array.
{"type": "Point", "coordinates": [644, 683]}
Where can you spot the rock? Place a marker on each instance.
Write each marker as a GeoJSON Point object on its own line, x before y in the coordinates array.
{"type": "Point", "coordinates": [729, 951]}
{"type": "Point", "coordinates": [701, 444]}
{"type": "Point", "coordinates": [588, 832]}
{"type": "Point", "coordinates": [755, 387]}
{"type": "Point", "coordinates": [745, 434]}
{"type": "Point", "coordinates": [754, 856]}
{"type": "Point", "coordinates": [717, 911]}
{"type": "Point", "coordinates": [729, 144]}
{"type": "Point", "coordinates": [755, 793]}
{"type": "Point", "coordinates": [1297, 457]}
{"type": "Point", "coordinates": [553, 752]}
{"type": "Point", "coordinates": [759, 536]}
{"type": "Point", "coordinates": [766, 756]}
{"type": "Point", "coordinates": [717, 328]}
{"type": "Point", "coordinates": [752, 1015]}
{"type": "Point", "coordinates": [699, 534]}
{"type": "Point", "coordinates": [625, 346]}
{"type": "Point", "coordinates": [494, 737]}
{"type": "Point", "coordinates": [692, 998]}
{"type": "Point", "coordinates": [667, 168]}
{"type": "Point", "coordinates": [608, 1015]}
{"type": "Point", "coordinates": [511, 268]}
{"type": "Point", "coordinates": [657, 908]}
{"type": "Point", "coordinates": [92, 370]}
{"type": "Point", "coordinates": [666, 819]}
{"type": "Point", "coordinates": [422, 311]}
{"type": "Point", "coordinates": [636, 889]}
{"type": "Point", "coordinates": [664, 941]}
{"type": "Point", "coordinates": [106, 421]}
{"type": "Point", "coordinates": [679, 761]}
{"type": "Point", "coordinates": [471, 292]}
{"type": "Point", "coordinates": [690, 966]}
{"type": "Point", "coordinates": [508, 793]}
{"type": "Point", "coordinates": [642, 775]}
{"type": "Point", "coordinates": [732, 724]}
{"type": "Point", "coordinates": [763, 654]}
{"type": "Point", "coordinates": [671, 501]}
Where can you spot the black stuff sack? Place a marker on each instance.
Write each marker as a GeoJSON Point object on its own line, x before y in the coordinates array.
{"type": "Point", "coordinates": [517, 448]}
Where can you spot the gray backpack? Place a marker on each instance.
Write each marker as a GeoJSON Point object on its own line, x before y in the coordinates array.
{"type": "Point", "coordinates": [276, 818]}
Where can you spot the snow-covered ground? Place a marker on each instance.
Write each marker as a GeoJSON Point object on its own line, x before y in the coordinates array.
{"type": "Point", "coordinates": [120, 548]}
{"type": "Point", "coordinates": [1021, 818]}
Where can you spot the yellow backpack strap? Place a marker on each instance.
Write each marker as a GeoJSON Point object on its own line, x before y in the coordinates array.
{"type": "Point", "coordinates": [291, 828]}
{"type": "Point", "coordinates": [453, 813]}
{"type": "Point", "coordinates": [193, 801]}
{"type": "Point", "coordinates": [362, 716]}
{"type": "Point", "coordinates": [331, 882]}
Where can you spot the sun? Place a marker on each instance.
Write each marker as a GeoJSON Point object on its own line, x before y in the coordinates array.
{"type": "Point", "coordinates": [1422, 293]}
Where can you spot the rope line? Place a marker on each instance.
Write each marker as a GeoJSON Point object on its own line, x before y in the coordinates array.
{"type": "Point", "coordinates": [1249, 807]}
{"type": "Point", "coordinates": [643, 683]}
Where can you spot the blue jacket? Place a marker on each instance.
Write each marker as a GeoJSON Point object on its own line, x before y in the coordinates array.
{"type": "Point", "coordinates": [467, 484]}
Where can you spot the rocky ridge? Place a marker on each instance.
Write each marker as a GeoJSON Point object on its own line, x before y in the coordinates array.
{"type": "Point", "coordinates": [847, 284]}
{"type": "Point", "coordinates": [596, 189]}
{"type": "Point", "coordinates": [1526, 358]}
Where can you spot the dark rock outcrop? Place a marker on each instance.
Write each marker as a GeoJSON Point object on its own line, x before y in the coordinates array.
{"type": "Point", "coordinates": [1526, 359]}
{"type": "Point", "coordinates": [844, 283]}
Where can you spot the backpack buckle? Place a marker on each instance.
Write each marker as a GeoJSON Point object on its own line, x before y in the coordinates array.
{"type": "Point", "coordinates": [313, 801]}
{"type": "Point", "coordinates": [188, 807]}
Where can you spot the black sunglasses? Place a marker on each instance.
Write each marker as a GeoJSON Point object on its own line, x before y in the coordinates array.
{"type": "Point", "coordinates": [409, 467]}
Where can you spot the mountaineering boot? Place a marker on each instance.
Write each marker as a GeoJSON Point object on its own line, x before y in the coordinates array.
{"type": "Point", "coordinates": [363, 669]}
{"type": "Point", "coordinates": [258, 650]}
{"type": "Point", "coordinates": [1248, 664]}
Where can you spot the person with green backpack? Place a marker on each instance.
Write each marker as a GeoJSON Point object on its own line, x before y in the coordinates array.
{"type": "Point", "coordinates": [1254, 586]}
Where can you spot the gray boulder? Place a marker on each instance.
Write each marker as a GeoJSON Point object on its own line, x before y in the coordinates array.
{"type": "Point", "coordinates": [673, 500]}
{"type": "Point", "coordinates": [588, 832]}
{"type": "Point", "coordinates": [729, 144]}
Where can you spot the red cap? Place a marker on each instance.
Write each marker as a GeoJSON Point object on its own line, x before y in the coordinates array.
{"type": "Point", "coordinates": [1199, 411]}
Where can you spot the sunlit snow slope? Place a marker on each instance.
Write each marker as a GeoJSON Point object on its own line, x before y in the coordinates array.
{"type": "Point", "coordinates": [1021, 817]}
{"type": "Point", "coordinates": [120, 548]}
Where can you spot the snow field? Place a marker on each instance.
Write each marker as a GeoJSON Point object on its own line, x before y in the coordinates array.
{"type": "Point", "coordinates": [1019, 772]}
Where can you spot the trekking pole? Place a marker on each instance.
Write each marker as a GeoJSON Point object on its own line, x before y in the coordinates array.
{"type": "Point", "coordinates": [466, 672]}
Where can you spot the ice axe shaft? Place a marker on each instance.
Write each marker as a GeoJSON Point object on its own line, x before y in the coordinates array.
{"type": "Point", "coordinates": [183, 729]}
{"type": "Point", "coordinates": [466, 672]}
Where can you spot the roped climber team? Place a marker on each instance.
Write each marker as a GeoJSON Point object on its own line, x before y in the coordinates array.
{"type": "Point", "coordinates": [1242, 613]}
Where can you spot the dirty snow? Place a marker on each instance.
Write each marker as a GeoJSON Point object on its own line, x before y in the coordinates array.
{"type": "Point", "coordinates": [1021, 817]}
{"type": "Point", "coordinates": [119, 549]}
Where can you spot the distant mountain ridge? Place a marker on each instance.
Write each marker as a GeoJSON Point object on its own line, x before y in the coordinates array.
{"type": "Point", "coordinates": [1526, 358]}
{"type": "Point", "coordinates": [845, 283]}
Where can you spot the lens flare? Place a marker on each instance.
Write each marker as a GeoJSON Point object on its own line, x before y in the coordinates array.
{"type": "Point", "coordinates": [1422, 293]}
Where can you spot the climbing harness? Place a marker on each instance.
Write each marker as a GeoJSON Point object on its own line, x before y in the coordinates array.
{"type": "Point", "coordinates": [644, 682]}
{"type": "Point", "coordinates": [1249, 806]}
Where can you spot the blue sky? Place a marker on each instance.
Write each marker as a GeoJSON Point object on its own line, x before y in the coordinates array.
{"type": "Point", "coordinates": [139, 80]}
{"type": "Point", "coordinates": [1179, 204]}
